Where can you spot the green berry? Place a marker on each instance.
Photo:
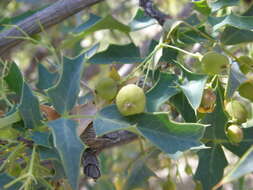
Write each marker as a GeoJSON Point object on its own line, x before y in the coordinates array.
{"type": "Point", "coordinates": [106, 88]}
{"type": "Point", "coordinates": [131, 100]}
{"type": "Point", "coordinates": [235, 133]}
{"type": "Point", "coordinates": [213, 63]}
{"type": "Point", "coordinates": [237, 111]}
{"type": "Point", "coordinates": [246, 90]}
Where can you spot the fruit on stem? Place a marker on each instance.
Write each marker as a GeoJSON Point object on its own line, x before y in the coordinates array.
{"type": "Point", "coordinates": [130, 100]}
{"type": "Point", "coordinates": [235, 133]}
{"type": "Point", "coordinates": [246, 90]}
{"type": "Point", "coordinates": [106, 88]}
{"type": "Point", "coordinates": [213, 63]}
{"type": "Point", "coordinates": [237, 111]}
{"type": "Point", "coordinates": [208, 101]}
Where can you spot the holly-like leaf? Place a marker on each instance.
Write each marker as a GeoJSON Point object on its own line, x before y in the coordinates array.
{"type": "Point", "coordinates": [109, 119]}
{"type": "Point", "coordinates": [41, 138]}
{"type": "Point", "coordinates": [66, 90]}
{"type": "Point", "coordinates": [241, 22]}
{"type": "Point", "coordinates": [167, 55]}
{"type": "Point", "coordinates": [138, 176]}
{"type": "Point", "coordinates": [242, 167]}
{"type": "Point", "coordinates": [14, 79]}
{"type": "Point", "coordinates": [219, 4]}
{"type": "Point", "coordinates": [46, 78]}
{"type": "Point", "coordinates": [10, 119]}
{"type": "Point", "coordinates": [236, 77]}
{"type": "Point", "coordinates": [48, 153]}
{"type": "Point", "coordinates": [217, 119]}
{"type": "Point", "coordinates": [161, 92]}
{"type": "Point", "coordinates": [193, 87]}
{"type": "Point", "coordinates": [5, 179]}
{"type": "Point", "coordinates": [182, 105]}
{"type": "Point", "coordinates": [232, 35]}
{"type": "Point", "coordinates": [211, 166]}
{"type": "Point", "coordinates": [172, 138]}
{"type": "Point", "coordinates": [117, 54]}
{"type": "Point", "coordinates": [69, 147]}
{"type": "Point", "coordinates": [202, 7]}
{"type": "Point", "coordinates": [141, 21]}
{"type": "Point", "coordinates": [93, 24]}
{"type": "Point", "coordinates": [29, 108]}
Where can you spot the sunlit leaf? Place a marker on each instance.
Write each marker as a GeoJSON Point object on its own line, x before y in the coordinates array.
{"type": "Point", "coordinates": [219, 4]}
{"type": "Point", "coordinates": [241, 22]}
{"type": "Point", "coordinates": [193, 87]}
{"type": "Point", "coordinates": [141, 20]}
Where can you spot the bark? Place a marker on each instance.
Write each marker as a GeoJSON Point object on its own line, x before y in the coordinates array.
{"type": "Point", "coordinates": [47, 17]}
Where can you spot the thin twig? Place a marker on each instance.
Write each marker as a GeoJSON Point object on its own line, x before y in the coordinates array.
{"type": "Point", "coordinates": [151, 11]}
{"type": "Point", "coordinates": [47, 17]}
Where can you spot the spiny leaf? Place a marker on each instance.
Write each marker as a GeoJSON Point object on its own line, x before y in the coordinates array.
{"type": "Point", "coordinates": [65, 92]}
{"type": "Point", "coordinates": [29, 108]}
{"type": "Point", "coordinates": [161, 92]}
{"type": "Point", "coordinates": [242, 167]}
{"type": "Point", "coordinates": [172, 138]}
{"type": "Point", "coordinates": [69, 147]}
{"type": "Point", "coordinates": [117, 54]}
{"type": "Point", "coordinates": [212, 162]}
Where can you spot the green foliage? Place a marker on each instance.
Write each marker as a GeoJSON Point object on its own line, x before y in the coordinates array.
{"type": "Point", "coordinates": [46, 106]}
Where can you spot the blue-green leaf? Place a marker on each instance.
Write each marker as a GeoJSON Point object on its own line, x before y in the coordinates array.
{"type": "Point", "coordinates": [96, 23]}
{"type": "Point", "coordinates": [232, 35]}
{"type": "Point", "coordinates": [211, 166]}
{"type": "Point", "coordinates": [217, 119]}
{"type": "Point", "coordinates": [109, 119]}
{"type": "Point", "coordinates": [161, 92]}
{"type": "Point", "coordinates": [183, 107]}
{"type": "Point", "coordinates": [29, 108]}
{"type": "Point", "coordinates": [172, 138]}
{"type": "Point", "coordinates": [242, 167]}
{"type": "Point", "coordinates": [14, 79]}
{"type": "Point", "coordinates": [241, 22]}
{"type": "Point", "coordinates": [236, 77]}
{"type": "Point", "coordinates": [139, 175]}
{"type": "Point", "coordinates": [46, 78]}
{"type": "Point", "coordinates": [219, 4]}
{"type": "Point", "coordinates": [69, 147]}
{"type": "Point", "coordinates": [244, 145]}
{"type": "Point", "coordinates": [66, 90]}
{"type": "Point", "coordinates": [5, 179]}
{"type": "Point", "coordinates": [141, 20]}
{"type": "Point", "coordinates": [41, 138]}
{"type": "Point", "coordinates": [193, 87]}
{"type": "Point", "coordinates": [117, 54]}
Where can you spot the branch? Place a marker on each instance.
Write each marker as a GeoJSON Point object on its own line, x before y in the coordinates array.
{"type": "Point", "coordinates": [46, 18]}
{"type": "Point", "coordinates": [149, 9]}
